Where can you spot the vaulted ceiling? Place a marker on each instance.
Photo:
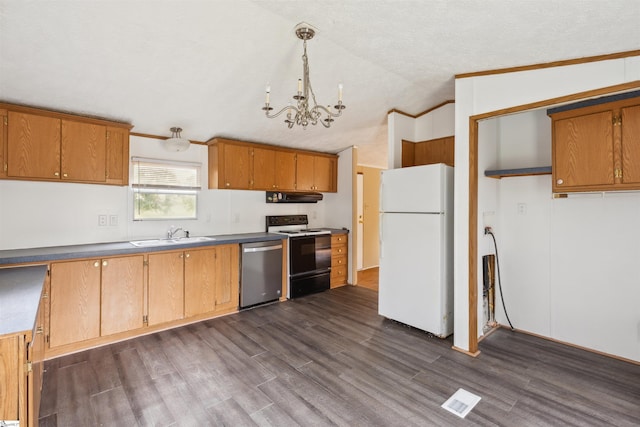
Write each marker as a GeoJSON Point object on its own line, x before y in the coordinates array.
{"type": "Point", "coordinates": [204, 65]}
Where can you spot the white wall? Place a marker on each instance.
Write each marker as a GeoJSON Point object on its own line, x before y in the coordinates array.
{"type": "Point", "coordinates": [37, 214]}
{"type": "Point", "coordinates": [399, 127]}
{"type": "Point", "coordinates": [557, 258]}
{"type": "Point", "coordinates": [339, 212]}
{"type": "Point", "coordinates": [435, 124]}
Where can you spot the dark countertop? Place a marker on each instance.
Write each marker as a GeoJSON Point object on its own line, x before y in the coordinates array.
{"type": "Point", "coordinates": [93, 250]}
{"type": "Point", "coordinates": [20, 290]}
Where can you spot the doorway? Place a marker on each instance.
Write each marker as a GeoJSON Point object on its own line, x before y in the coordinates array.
{"type": "Point", "coordinates": [367, 216]}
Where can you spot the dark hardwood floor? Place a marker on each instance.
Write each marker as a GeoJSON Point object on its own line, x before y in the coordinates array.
{"type": "Point", "coordinates": [329, 359]}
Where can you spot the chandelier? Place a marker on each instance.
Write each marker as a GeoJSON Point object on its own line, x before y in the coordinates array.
{"type": "Point", "coordinates": [303, 113]}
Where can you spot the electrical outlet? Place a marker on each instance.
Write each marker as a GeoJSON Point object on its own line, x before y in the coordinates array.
{"type": "Point", "coordinates": [522, 208]}
{"type": "Point", "coordinates": [113, 220]}
{"type": "Point", "coordinates": [102, 220]}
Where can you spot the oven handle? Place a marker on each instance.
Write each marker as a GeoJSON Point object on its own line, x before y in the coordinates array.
{"type": "Point", "coordinates": [263, 248]}
{"type": "Point", "coordinates": [312, 273]}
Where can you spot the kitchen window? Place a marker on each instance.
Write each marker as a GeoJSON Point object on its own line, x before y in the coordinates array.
{"type": "Point", "coordinates": [164, 189]}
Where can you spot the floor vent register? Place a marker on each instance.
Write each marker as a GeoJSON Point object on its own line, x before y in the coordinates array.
{"type": "Point", "coordinates": [461, 403]}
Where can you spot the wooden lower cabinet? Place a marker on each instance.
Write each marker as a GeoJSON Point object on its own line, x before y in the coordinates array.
{"type": "Point", "coordinates": [227, 277]}
{"type": "Point", "coordinates": [21, 372]}
{"type": "Point", "coordinates": [94, 301]}
{"type": "Point", "coordinates": [166, 287]}
{"type": "Point", "coordinates": [122, 292]}
{"type": "Point", "coordinates": [339, 260]}
{"type": "Point", "coordinates": [75, 302]}
{"type": "Point", "coordinates": [200, 282]}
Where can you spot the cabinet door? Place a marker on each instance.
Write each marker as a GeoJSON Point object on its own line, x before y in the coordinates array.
{"type": "Point", "coordinates": [166, 287]}
{"type": "Point", "coordinates": [264, 172]}
{"type": "Point", "coordinates": [285, 170]}
{"type": "Point", "coordinates": [117, 163]}
{"type": "Point", "coordinates": [227, 277]}
{"type": "Point", "coordinates": [75, 302]}
{"type": "Point", "coordinates": [199, 281]}
{"type": "Point", "coordinates": [583, 151]}
{"type": "Point", "coordinates": [236, 166]}
{"type": "Point", "coordinates": [304, 172]}
{"type": "Point", "coordinates": [324, 172]}
{"type": "Point", "coordinates": [84, 151]}
{"type": "Point", "coordinates": [33, 146]}
{"type": "Point", "coordinates": [3, 143]}
{"type": "Point", "coordinates": [10, 348]}
{"type": "Point", "coordinates": [631, 145]}
{"type": "Point", "coordinates": [122, 294]}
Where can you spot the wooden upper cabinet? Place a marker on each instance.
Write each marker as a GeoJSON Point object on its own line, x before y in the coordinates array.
{"type": "Point", "coordinates": [597, 147]}
{"type": "Point", "coordinates": [285, 170]}
{"type": "Point", "coordinates": [33, 146]}
{"type": "Point", "coordinates": [117, 152]}
{"type": "Point", "coordinates": [249, 166]}
{"type": "Point", "coordinates": [264, 169]}
{"type": "Point", "coordinates": [316, 173]}
{"type": "Point", "coordinates": [583, 153]}
{"type": "Point", "coordinates": [433, 151]}
{"type": "Point", "coordinates": [631, 145]}
{"type": "Point", "coordinates": [84, 151]}
{"type": "Point", "coordinates": [45, 145]}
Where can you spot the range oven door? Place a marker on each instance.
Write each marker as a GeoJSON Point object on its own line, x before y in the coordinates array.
{"type": "Point", "coordinates": [309, 284]}
{"type": "Point", "coordinates": [309, 254]}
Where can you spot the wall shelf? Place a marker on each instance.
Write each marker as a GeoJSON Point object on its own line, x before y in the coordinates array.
{"type": "Point", "coordinates": [506, 173]}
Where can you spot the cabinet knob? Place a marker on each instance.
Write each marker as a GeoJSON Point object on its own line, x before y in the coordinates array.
{"type": "Point", "coordinates": [64, 175]}
{"type": "Point", "coordinates": [96, 264]}
{"type": "Point", "coordinates": [181, 256]}
{"type": "Point", "coordinates": [273, 186]}
{"type": "Point", "coordinates": [56, 174]}
{"type": "Point", "coordinates": [228, 184]}
{"type": "Point", "coordinates": [560, 182]}
{"type": "Point", "coordinates": [187, 255]}
{"type": "Point", "coordinates": [39, 330]}
{"type": "Point", "coordinates": [105, 263]}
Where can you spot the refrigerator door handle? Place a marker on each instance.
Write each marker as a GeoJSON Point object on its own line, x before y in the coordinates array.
{"type": "Point", "coordinates": [380, 234]}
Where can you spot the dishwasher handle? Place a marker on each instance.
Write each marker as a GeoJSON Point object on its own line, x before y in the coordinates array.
{"type": "Point", "coordinates": [262, 248]}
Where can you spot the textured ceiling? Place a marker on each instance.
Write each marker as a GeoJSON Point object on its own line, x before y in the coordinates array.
{"type": "Point", "coordinates": [203, 65]}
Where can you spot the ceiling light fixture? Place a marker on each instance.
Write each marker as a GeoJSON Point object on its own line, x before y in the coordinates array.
{"type": "Point", "coordinates": [176, 142]}
{"type": "Point", "coordinates": [303, 114]}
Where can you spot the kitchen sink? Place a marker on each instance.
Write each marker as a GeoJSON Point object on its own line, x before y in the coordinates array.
{"type": "Point", "coordinates": [168, 242]}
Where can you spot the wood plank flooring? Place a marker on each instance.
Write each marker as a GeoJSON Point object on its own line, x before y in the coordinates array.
{"type": "Point", "coordinates": [369, 278]}
{"type": "Point", "coordinates": [329, 359]}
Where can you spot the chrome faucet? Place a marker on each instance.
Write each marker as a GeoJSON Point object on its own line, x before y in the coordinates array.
{"type": "Point", "coordinates": [172, 231]}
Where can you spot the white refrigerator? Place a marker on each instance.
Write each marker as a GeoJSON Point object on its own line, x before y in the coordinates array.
{"type": "Point", "coordinates": [416, 247]}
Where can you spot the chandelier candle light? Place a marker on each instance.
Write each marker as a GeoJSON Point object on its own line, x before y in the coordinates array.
{"type": "Point", "coordinates": [303, 114]}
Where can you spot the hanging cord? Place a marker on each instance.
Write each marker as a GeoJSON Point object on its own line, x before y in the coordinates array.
{"type": "Point", "coordinates": [495, 245]}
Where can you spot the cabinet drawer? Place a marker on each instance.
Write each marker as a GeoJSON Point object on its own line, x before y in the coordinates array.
{"type": "Point", "coordinates": [340, 260]}
{"type": "Point", "coordinates": [337, 250]}
{"type": "Point", "coordinates": [337, 239]}
{"type": "Point", "coordinates": [339, 271]}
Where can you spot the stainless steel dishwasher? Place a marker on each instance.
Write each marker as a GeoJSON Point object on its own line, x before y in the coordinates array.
{"type": "Point", "coordinates": [260, 272]}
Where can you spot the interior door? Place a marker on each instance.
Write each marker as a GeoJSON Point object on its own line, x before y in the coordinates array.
{"type": "Point", "coordinates": [360, 195]}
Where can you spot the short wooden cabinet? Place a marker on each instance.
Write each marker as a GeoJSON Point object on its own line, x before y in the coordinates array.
{"type": "Point", "coordinates": [596, 148]}
{"type": "Point", "coordinates": [166, 287]}
{"type": "Point", "coordinates": [44, 145]}
{"type": "Point", "coordinates": [316, 173]}
{"type": "Point", "coordinates": [439, 150]}
{"type": "Point", "coordinates": [75, 302]}
{"type": "Point", "coordinates": [192, 282]}
{"type": "Point", "coordinates": [339, 259]}
{"type": "Point", "coordinates": [249, 166]}
{"type": "Point", "coordinates": [93, 298]}
{"type": "Point", "coordinates": [122, 294]}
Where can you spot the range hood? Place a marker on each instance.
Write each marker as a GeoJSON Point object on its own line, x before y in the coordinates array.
{"type": "Point", "coordinates": [284, 197]}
